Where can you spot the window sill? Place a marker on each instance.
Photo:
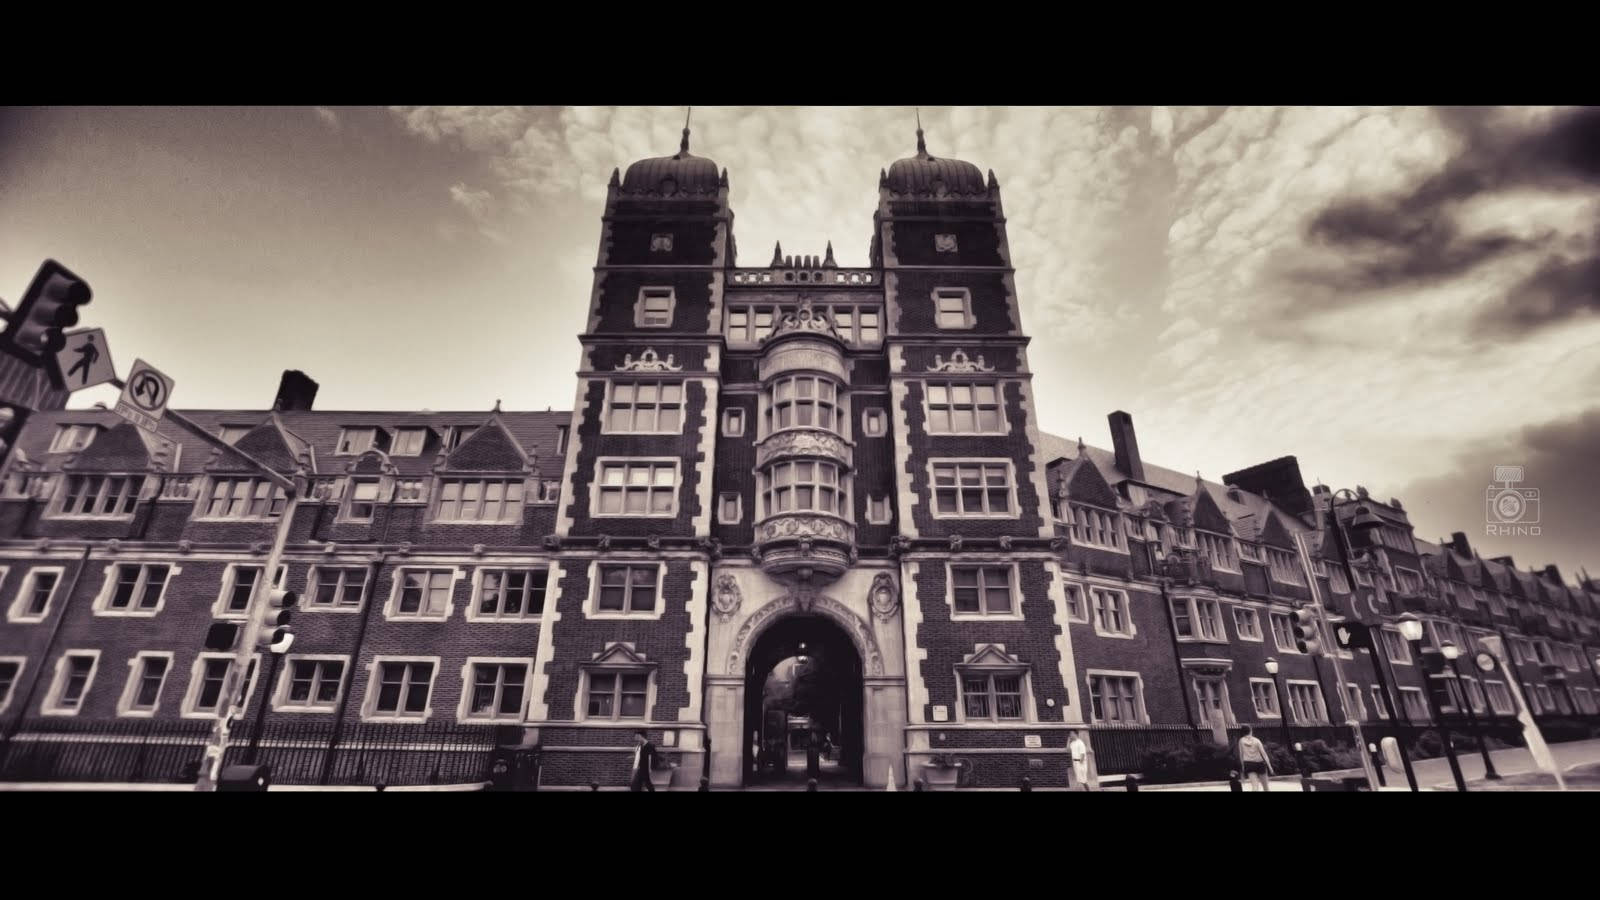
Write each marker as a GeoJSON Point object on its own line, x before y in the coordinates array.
{"type": "Point", "coordinates": [48, 711]}
{"type": "Point", "coordinates": [392, 617]}
{"type": "Point", "coordinates": [129, 614]}
{"type": "Point", "coordinates": [474, 522]}
{"type": "Point", "coordinates": [490, 720]}
{"type": "Point", "coordinates": [136, 713]}
{"type": "Point", "coordinates": [1128, 636]}
{"type": "Point", "coordinates": [1258, 639]}
{"type": "Point", "coordinates": [1086, 544]}
{"type": "Point", "coordinates": [644, 616]}
{"type": "Point", "coordinates": [399, 720]}
{"type": "Point", "coordinates": [73, 517]}
{"type": "Point", "coordinates": [620, 515]}
{"type": "Point", "coordinates": [331, 609]}
{"type": "Point", "coordinates": [325, 710]}
{"type": "Point", "coordinates": [986, 617]}
{"type": "Point", "coordinates": [28, 620]}
{"type": "Point", "coordinates": [1202, 640]}
{"type": "Point", "coordinates": [958, 517]}
{"type": "Point", "coordinates": [1268, 716]}
{"type": "Point", "coordinates": [507, 620]}
{"type": "Point", "coordinates": [677, 432]}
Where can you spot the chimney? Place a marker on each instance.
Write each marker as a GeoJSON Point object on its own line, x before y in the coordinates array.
{"type": "Point", "coordinates": [1125, 445]}
{"type": "Point", "coordinates": [1504, 561]}
{"type": "Point", "coordinates": [1458, 543]}
{"type": "Point", "coordinates": [1280, 479]}
{"type": "Point", "coordinates": [1553, 573]}
{"type": "Point", "coordinates": [296, 391]}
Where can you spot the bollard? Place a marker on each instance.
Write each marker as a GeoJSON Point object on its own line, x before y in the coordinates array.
{"type": "Point", "coordinates": [920, 785]}
{"type": "Point", "coordinates": [1233, 783]}
{"type": "Point", "coordinates": [811, 784]}
{"type": "Point", "coordinates": [1027, 783]}
{"type": "Point", "coordinates": [1132, 784]}
{"type": "Point", "coordinates": [594, 785]}
{"type": "Point", "coordinates": [705, 785]}
{"type": "Point", "coordinates": [380, 787]}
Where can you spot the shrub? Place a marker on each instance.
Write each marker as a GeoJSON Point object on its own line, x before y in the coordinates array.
{"type": "Point", "coordinates": [1199, 762]}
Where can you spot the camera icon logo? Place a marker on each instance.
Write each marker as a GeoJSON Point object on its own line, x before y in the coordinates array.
{"type": "Point", "coordinates": [1508, 504]}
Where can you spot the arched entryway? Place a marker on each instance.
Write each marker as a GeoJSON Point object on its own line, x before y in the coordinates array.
{"type": "Point", "coordinates": [803, 685]}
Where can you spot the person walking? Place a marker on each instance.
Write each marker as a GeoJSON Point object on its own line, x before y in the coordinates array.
{"type": "Point", "coordinates": [1080, 759]}
{"type": "Point", "coordinates": [1253, 761]}
{"type": "Point", "coordinates": [813, 756]}
{"type": "Point", "coordinates": [644, 761]}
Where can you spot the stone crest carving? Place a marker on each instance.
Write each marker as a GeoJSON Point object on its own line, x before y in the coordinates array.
{"type": "Point", "coordinates": [653, 542]}
{"type": "Point", "coordinates": [959, 363]}
{"type": "Point", "coordinates": [858, 629]}
{"type": "Point", "coordinates": [1005, 542]}
{"type": "Point", "coordinates": [807, 319]}
{"type": "Point", "coordinates": [604, 542]}
{"type": "Point", "coordinates": [552, 542]}
{"type": "Point", "coordinates": [648, 362]}
{"type": "Point", "coordinates": [798, 526]}
{"type": "Point", "coordinates": [803, 442]}
{"type": "Point", "coordinates": [726, 600]}
{"type": "Point", "coordinates": [955, 543]}
{"type": "Point", "coordinates": [900, 545]}
{"type": "Point", "coordinates": [711, 546]}
{"type": "Point", "coordinates": [884, 596]}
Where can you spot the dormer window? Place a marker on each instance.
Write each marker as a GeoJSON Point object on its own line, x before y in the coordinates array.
{"type": "Point", "coordinates": [232, 433]}
{"type": "Point", "coordinates": [409, 441]}
{"type": "Point", "coordinates": [655, 307]}
{"type": "Point", "coordinates": [70, 438]}
{"type": "Point", "coordinates": [100, 495]}
{"type": "Point", "coordinates": [356, 440]}
{"type": "Point", "coordinates": [455, 435]}
{"type": "Point", "coordinates": [363, 499]}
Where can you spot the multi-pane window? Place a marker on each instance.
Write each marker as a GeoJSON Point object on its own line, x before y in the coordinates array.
{"type": "Point", "coordinates": [561, 439]}
{"type": "Point", "coordinates": [100, 495]}
{"type": "Point", "coordinates": [1110, 608]}
{"type": "Point", "coordinates": [732, 422]}
{"type": "Point", "coordinates": [1337, 580]}
{"type": "Point", "coordinates": [618, 695]}
{"type": "Point", "coordinates": [981, 590]}
{"type": "Point", "coordinates": [456, 435]}
{"type": "Point", "coordinates": [807, 485]}
{"type": "Point", "coordinates": [1249, 551]}
{"type": "Point", "coordinates": [244, 498]}
{"type": "Point", "coordinates": [511, 593]}
{"type": "Point", "coordinates": [858, 326]}
{"type": "Point", "coordinates": [638, 488]}
{"type": "Point", "coordinates": [497, 690]}
{"type": "Point", "coordinates": [1198, 617]}
{"type": "Point", "coordinates": [206, 693]}
{"type": "Point", "coordinates": [1474, 694]}
{"type": "Point", "coordinates": [1305, 702]}
{"type": "Point", "coordinates": [1353, 704]}
{"type": "Point", "coordinates": [1264, 694]}
{"type": "Point", "coordinates": [804, 401]}
{"type": "Point", "coordinates": [241, 587]}
{"type": "Point", "coordinates": [655, 307]}
{"type": "Point", "coordinates": [408, 442]}
{"type": "Point", "coordinates": [960, 408]}
{"type": "Point", "coordinates": [1247, 622]}
{"type": "Point", "coordinates": [1416, 705]}
{"type": "Point", "coordinates": [992, 695]}
{"type": "Point", "coordinates": [336, 588]}
{"type": "Point", "coordinates": [1077, 610]}
{"type": "Point", "coordinates": [1212, 696]}
{"type": "Point", "coordinates": [424, 593]}
{"type": "Point", "coordinates": [752, 323]}
{"type": "Point", "coordinates": [628, 589]}
{"type": "Point", "coordinates": [1410, 582]}
{"type": "Point", "coordinates": [972, 489]}
{"type": "Point", "coordinates": [137, 588]}
{"type": "Point", "coordinates": [356, 440]}
{"type": "Point", "coordinates": [645, 407]}
{"type": "Point", "coordinates": [231, 433]}
{"type": "Point", "coordinates": [1218, 549]}
{"type": "Point", "coordinates": [1395, 645]}
{"type": "Point", "coordinates": [1285, 566]}
{"type": "Point", "coordinates": [1396, 537]}
{"type": "Point", "coordinates": [952, 308]}
{"type": "Point", "coordinates": [402, 689]}
{"type": "Point", "coordinates": [313, 683]}
{"type": "Point", "coordinates": [1095, 527]}
{"type": "Point", "coordinates": [9, 670]}
{"type": "Point", "coordinates": [73, 681]}
{"type": "Point", "coordinates": [479, 500]}
{"type": "Point", "coordinates": [36, 593]}
{"type": "Point", "coordinates": [363, 499]}
{"type": "Point", "coordinates": [72, 437]}
{"type": "Point", "coordinates": [1114, 698]}
{"type": "Point", "coordinates": [1282, 632]}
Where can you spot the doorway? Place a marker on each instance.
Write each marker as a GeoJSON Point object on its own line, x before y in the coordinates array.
{"type": "Point", "coordinates": [803, 705]}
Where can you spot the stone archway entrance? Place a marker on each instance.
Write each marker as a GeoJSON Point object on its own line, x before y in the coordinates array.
{"type": "Point", "coordinates": [803, 704]}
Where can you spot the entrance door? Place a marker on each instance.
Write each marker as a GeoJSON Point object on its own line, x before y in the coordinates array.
{"type": "Point", "coordinates": [803, 705]}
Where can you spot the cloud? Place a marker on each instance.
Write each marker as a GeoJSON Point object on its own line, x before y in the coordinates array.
{"type": "Point", "coordinates": [328, 116]}
{"type": "Point", "coordinates": [477, 202]}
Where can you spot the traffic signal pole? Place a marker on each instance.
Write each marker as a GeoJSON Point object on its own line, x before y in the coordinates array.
{"type": "Point", "coordinates": [1338, 670]}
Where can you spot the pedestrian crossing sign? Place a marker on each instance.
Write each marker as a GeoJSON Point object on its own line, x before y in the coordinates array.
{"type": "Point", "coordinates": [85, 359]}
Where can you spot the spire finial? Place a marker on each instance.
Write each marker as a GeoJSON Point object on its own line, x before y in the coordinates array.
{"type": "Point", "coordinates": [922, 146]}
{"type": "Point", "coordinates": [1080, 445]}
{"type": "Point", "coordinates": [683, 146]}
{"type": "Point", "coordinates": [497, 405]}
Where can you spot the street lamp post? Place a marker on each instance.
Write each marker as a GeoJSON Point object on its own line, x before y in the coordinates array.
{"type": "Point", "coordinates": [1283, 707]}
{"type": "Point", "coordinates": [1411, 630]}
{"type": "Point", "coordinates": [1451, 653]}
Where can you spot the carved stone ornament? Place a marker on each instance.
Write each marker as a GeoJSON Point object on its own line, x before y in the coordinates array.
{"type": "Point", "coordinates": [113, 545]}
{"type": "Point", "coordinates": [185, 546]}
{"type": "Point", "coordinates": [711, 546]}
{"type": "Point", "coordinates": [805, 318]}
{"type": "Point", "coordinates": [405, 548]}
{"type": "Point", "coordinates": [653, 542]}
{"type": "Point", "coordinates": [803, 598]}
{"type": "Point", "coordinates": [955, 543]}
{"type": "Point", "coordinates": [958, 363]}
{"type": "Point", "coordinates": [726, 599]}
{"type": "Point", "coordinates": [900, 545]}
{"type": "Point", "coordinates": [259, 547]}
{"type": "Point", "coordinates": [1058, 544]}
{"type": "Point", "coordinates": [477, 549]}
{"type": "Point", "coordinates": [330, 547]}
{"type": "Point", "coordinates": [647, 362]}
{"type": "Point", "coordinates": [884, 597]}
{"type": "Point", "coordinates": [803, 443]}
{"type": "Point", "coordinates": [552, 542]}
{"type": "Point", "coordinates": [1005, 542]}
{"type": "Point", "coordinates": [605, 542]}
{"type": "Point", "coordinates": [798, 526]}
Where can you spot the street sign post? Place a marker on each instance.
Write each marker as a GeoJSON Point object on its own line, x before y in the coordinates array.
{"type": "Point", "coordinates": [84, 360]}
{"type": "Point", "coordinates": [144, 396]}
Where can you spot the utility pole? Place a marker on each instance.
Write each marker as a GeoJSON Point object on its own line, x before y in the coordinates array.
{"type": "Point", "coordinates": [1333, 657]}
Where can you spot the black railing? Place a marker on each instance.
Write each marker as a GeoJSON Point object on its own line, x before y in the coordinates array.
{"type": "Point", "coordinates": [124, 750]}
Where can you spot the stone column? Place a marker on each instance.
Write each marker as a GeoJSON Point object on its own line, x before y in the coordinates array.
{"type": "Point", "coordinates": [725, 726]}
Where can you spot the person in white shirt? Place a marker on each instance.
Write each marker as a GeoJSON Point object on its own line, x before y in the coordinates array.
{"type": "Point", "coordinates": [1253, 761]}
{"type": "Point", "coordinates": [644, 758]}
{"type": "Point", "coordinates": [1080, 759]}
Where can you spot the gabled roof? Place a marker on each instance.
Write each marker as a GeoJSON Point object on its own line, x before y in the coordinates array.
{"type": "Point", "coordinates": [126, 448]}
{"type": "Point", "coordinates": [271, 443]}
{"type": "Point", "coordinates": [491, 448]}
{"type": "Point", "coordinates": [1275, 533]}
{"type": "Point", "coordinates": [1083, 483]}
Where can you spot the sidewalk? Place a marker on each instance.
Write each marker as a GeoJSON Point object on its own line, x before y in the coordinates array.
{"type": "Point", "coordinates": [56, 786]}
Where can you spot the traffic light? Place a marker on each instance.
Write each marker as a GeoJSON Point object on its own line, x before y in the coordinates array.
{"type": "Point", "coordinates": [50, 305]}
{"type": "Point", "coordinates": [1307, 639]}
{"type": "Point", "coordinates": [275, 635]}
{"type": "Point", "coordinates": [1352, 635]}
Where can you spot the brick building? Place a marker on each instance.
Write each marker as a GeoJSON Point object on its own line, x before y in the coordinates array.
{"type": "Point", "coordinates": [758, 461]}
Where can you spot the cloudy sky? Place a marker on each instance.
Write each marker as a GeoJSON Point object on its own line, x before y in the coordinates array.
{"type": "Point", "coordinates": [1401, 297]}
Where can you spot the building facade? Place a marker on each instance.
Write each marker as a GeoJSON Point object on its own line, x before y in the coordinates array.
{"type": "Point", "coordinates": [758, 460]}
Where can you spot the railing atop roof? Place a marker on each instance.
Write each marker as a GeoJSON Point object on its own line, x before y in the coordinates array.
{"type": "Point", "coordinates": [829, 277]}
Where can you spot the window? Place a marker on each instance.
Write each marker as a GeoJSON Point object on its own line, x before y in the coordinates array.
{"type": "Point", "coordinates": [100, 495]}
{"type": "Point", "coordinates": [310, 684]}
{"type": "Point", "coordinates": [878, 511]}
{"type": "Point", "coordinates": [423, 594]}
{"type": "Point", "coordinates": [794, 486]}
{"type": "Point", "coordinates": [1397, 648]}
{"type": "Point", "coordinates": [205, 685]}
{"type": "Point", "coordinates": [510, 594]}
{"type": "Point", "coordinates": [981, 590]}
{"type": "Point", "coordinates": [1211, 694]}
{"type": "Point", "coordinates": [363, 500]}
{"type": "Point", "coordinates": [1416, 705]}
{"type": "Point", "coordinates": [244, 498]}
{"type": "Point", "coordinates": [628, 589]}
{"type": "Point", "coordinates": [1264, 695]}
{"type": "Point", "coordinates": [1077, 610]}
{"type": "Point", "coordinates": [1093, 527]}
{"type": "Point", "coordinates": [1218, 549]}
{"type": "Point", "coordinates": [1247, 623]}
{"type": "Point", "coordinates": [1447, 692]}
{"type": "Point", "coordinates": [1111, 613]}
{"type": "Point", "coordinates": [133, 590]}
{"type": "Point", "coordinates": [952, 308]}
{"type": "Point", "coordinates": [1282, 632]}
{"type": "Point", "coordinates": [858, 324]}
{"type": "Point", "coordinates": [960, 408]}
{"type": "Point", "coordinates": [1249, 551]}
{"type": "Point", "coordinates": [336, 588]}
{"type": "Point", "coordinates": [549, 491]}
{"type": "Point", "coordinates": [456, 435]}
{"type": "Point", "coordinates": [732, 422]}
{"type": "Point", "coordinates": [1532, 699]}
{"type": "Point", "coordinates": [873, 422]}
{"type": "Point", "coordinates": [1410, 582]}
{"type": "Point", "coordinates": [661, 243]}
{"type": "Point", "coordinates": [74, 674]}
{"type": "Point", "coordinates": [401, 690]}
{"type": "Point", "coordinates": [10, 671]}
{"type": "Point", "coordinates": [33, 597]}
{"type": "Point", "coordinates": [1363, 577]}
{"type": "Point", "coordinates": [730, 508]}
{"type": "Point", "coordinates": [1353, 705]}
{"type": "Point", "coordinates": [972, 489]}
{"type": "Point", "coordinates": [1116, 697]}
{"type": "Point", "coordinates": [644, 488]}
{"type": "Point", "coordinates": [408, 442]}
{"type": "Point", "coordinates": [1305, 701]}
{"type": "Point", "coordinates": [1378, 704]}
{"type": "Point", "coordinates": [355, 440]}
{"type": "Point", "coordinates": [479, 500]}
{"type": "Point", "coordinates": [645, 407]}
{"type": "Point", "coordinates": [1285, 566]}
{"type": "Point", "coordinates": [561, 438]}
{"type": "Point", "coordinates": [804, 401]}
{"type": "Point", "coordinates": [1396, 537]}
{"type": "Point", "coordinates": [1584, 699]}
{"type": "Point", "coordinates": [944, 243]}
{"type": "Point", "coordinates": [996, 696]}
{"type": "Point", "coordinates": [1337, 580]}
{"type": "Point", "coordinates": [72, 437]}
{"type": "Point", "coordinates": [231, 433]}
{"type": "Point", "coordinates": [496, 690]}
{"type": "Point", "coordinates": [617, 695]}
{"type": "Point", "coordinates": [654, 309]}
{"type": "Point", "coordinates": [238, 586]}
{"type": "Point", "coordinates": [1475, 694]}
{"type": "Point", "coordinates": [1198, 618]}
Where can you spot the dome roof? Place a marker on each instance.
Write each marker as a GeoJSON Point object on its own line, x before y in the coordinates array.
{"type": "Point", "coordinates": [682, 173]}
{"type": "Point", "coordinates": [930, 175]}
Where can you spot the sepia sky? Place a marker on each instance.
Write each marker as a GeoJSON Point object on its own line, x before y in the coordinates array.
{"type": "Point", "coordinates": [1400, 297]}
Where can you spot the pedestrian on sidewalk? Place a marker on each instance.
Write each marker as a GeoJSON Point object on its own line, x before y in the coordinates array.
{"type": "Point", "coordinates": [1253, 761]}
{"type": "Point", "coordinates": [644, 761]}
{"type": "Point", "coordinates": [1080, 760]}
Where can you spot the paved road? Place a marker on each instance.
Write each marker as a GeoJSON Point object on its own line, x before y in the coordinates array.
{"type": "Point", "coordinates": [1435, 773]}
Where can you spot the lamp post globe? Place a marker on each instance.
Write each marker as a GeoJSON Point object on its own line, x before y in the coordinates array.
{"type": "Point", "coordinates": [1410, 627]}
{"type": "Point", "coordinates": [1485, 662]}
{"type": "Point", "coordinates": [1272, 666]}
{"type": "Point", "coordinates": [1449, 650]}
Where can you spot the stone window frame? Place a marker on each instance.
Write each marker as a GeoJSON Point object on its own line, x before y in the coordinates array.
{"type": "Point", "coordinates": [874, 422]}
{"type": "Point", "coordinates": [1310, 689]}
{"type": "Point", "coordinates": [230, 580]}
{"type": "Point", "coordinates": [1081, 590]}
{"type": "Point", "coordinates": [21, 663]}
{"type": "Point", "coordinates": [1273, 618]}
{"type": "Point", "coordinates": [1379, 709]}
{"type": "Point", "coordinates": [468, 680]}
{"type": "Point", "coordinates": [108, 586]}
{"type": "Point", "coordinates": [657, 405]}
{"type": "Point", "coordinates": [722, 506]}
{"type": "Point", "coordinates": [1271, 695]}
{"type": "Point", "coordinates": [314, 584]}
{"type": "Point", "coordinates": [345, 446]}
{"type": "Point", "coordinates": [733, 421]}
{"type": "Point", "coordinates": [1024, 674]}
{"type": "Point", "coordinates": [1353, 692]}
{"type": "Point", "coordinates": [191, 695]}
{"type": "Point", "coordinates": [980, 562]}
{"type": "Point", "coordinates": [18, 613]}
{"type": "Point", "coordinates": [66, 436]}
{"type": "Point", "coordinates": [626, 462]}
{"type": "Point", "coordinates": [948, 292]}
{"type": "Point", "coordinates": [133, 485]}
{"type": "Point", "coordinates": [1140, 706]}
{"type": "Point", "coordinates": [391, 609]}
{"type": "Point", "coordinates": [1260, 636]}
{"type": "Point", "coordinates": [51, 705]}
{"type": "Point", "coordinates": [882, 500]}
{"type": "Point", "coordinates": [950, 383]}
{"type": "Point", "coordinates": [1224, 543]}
{"type": "Point", "coordinates": [1193, 603]}
{"type": "Point", "coordinates": [369, 704]}
{"type": "Point", "coordinates": [591, 603]}
{"type": "Point", "coordinates": [1131, 631]}
{"type": "Point", "coordinates": [655, 292]}
{"type": "Point", "coordinates": [1196, 679]}
{"type": "Point", "coordinates": [619, 670]}
{"type": "Point", "coordinates": [1014, 511]}
{"type": "Point", "coordinates": [280, 692]}
{"type": "Point", "coordinates": [205, 497]}
{"type": "Point", "coordinates": [474, 613]}
{"type": "Point", "coordinates": [136, 673]}
{"type": "Point", "coordinates": [400, 434]}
